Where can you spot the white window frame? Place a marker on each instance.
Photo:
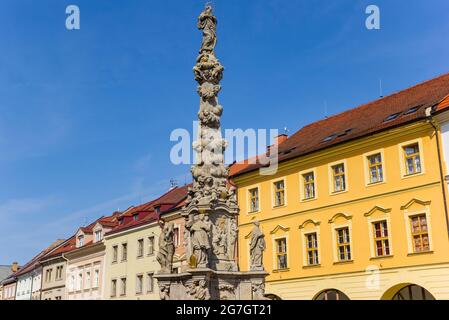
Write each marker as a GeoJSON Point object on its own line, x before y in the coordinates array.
{"type": "Point", "coordinates": [367, 174]}
{"type": "Point", "coordinates": [302, 190]}
{"type": "Point", "coordinates": [305, 256]}
{"type": "Point", "coordinates": [334, 228]}
{"type": "Point", "coordinates": [409, 213]}
{"type": "Point", "coordinates": [275, 262]}
{"type": "Point", "coordinates": [331, 177]}
{"type": "Point", "coordinates": [371, 221]}
{"type": "Point", "coordinates": [401, 146]}
{"type": "Point", "coordinates": [248, 199]}
{"type": "Point", "coordinates": [273, 198]}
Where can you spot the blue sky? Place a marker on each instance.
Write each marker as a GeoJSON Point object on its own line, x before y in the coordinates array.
{"type": "Point", "coordinates": [86, 115]}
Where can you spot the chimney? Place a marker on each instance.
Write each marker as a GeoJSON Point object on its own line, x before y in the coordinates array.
{"type": "Point", "coordinates": [277, 141]}
{"type": "Point", "coordinates": [14, 267]}
{"type": "Point", "coordinates": [280, 138]}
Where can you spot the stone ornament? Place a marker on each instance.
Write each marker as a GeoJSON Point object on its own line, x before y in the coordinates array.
{"type": "Point", "coordinates": [164, 292]}
{"type": "Point", "coordinates": [208, 23]}
{"type": "Point", "coordinates": [200, 226]}
{"type": "Point", "coordinates": [198, 290]}
{"type": "Point", "coordinates": [166, 247]}
{"type": "Point", "coordinates": [257, 247]}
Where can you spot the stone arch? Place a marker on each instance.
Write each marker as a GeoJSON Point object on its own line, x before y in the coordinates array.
{"type": "Point", "coordinates": [331, 294]}
{"type": "Point", "coordinates": [272, 296]}
{"type": "Point", "coordinates": [407, 291]}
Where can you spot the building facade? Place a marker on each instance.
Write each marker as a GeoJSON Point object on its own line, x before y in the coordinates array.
{"type": "Point", "coordinates": [131, 248]}
{"type": "Point", "coordinates": [356, 208]}
{"type": "Point", "coordinates": [85, 265]}
{"type": "Point", "coordinates": [54, 267]}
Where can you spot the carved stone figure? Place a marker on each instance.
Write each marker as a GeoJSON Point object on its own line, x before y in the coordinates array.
{"type": "Point", "coordinates": [232, 238]}
{"type": "Point", "coordinates": [166, 247]}
{"type": "Point", "coordinates": [164, 292]}
{"type": "Point", "coordinates": [257, 247]}
{"type": "Point", "coordinates": [208, 23]}
{"type": "Point", "coordinates": [227, 292]}
{"type": "Point", "coordinates": [200, 227]}
{"type": "Point", "coordinates": [198, 290]}
{"type": "Point", "coordinates": [220, 238]}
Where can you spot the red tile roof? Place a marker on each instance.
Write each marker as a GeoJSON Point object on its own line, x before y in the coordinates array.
{"type": "Point", "coordinates": [34, 262]}
{"type": "Point", "coordinates": [68, 245]}
{"type": "Point", "coordinates": [404, 107]}
{"type": "Point", "coordinates": [147, 213]}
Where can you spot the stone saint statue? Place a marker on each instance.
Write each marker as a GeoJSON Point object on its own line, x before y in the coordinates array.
{"type": "Point", "coordinates": [257, 247]}
{"type": "Point", "coordinates": [166, 247]}
{"type": "Point", "coordinates": [200, 227]}
{"type": "Point", "coordinates": [208, 23]}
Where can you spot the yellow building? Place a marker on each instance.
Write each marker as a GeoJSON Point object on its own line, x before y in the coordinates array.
{"type": "Point", "coordinates": [356, 208]}
{"type": "Point", "coordinates": [132, 246]}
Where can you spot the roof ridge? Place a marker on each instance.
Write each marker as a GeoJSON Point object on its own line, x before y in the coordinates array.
{"type": "Point", "coordinates": [379, 99]}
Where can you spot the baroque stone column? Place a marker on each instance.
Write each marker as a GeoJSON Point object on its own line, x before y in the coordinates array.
{"type": "Point", "coordinates": [211, 207]}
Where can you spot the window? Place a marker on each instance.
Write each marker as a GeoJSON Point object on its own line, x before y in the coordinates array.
{"type": "Point", "coordinates": [420, 233]}
{"type": "Point", "coordinates": [176, 235]}
{"type": "Point", "coordinates": [281, 253]}
{"type": "Point", "coordinates": [113, 288]}
{"type": "Point", "coordinates": [254, 200]}
{"type": "Point", "coordinates": [140, 248]}
{"type": "Point", "coordinates": [72, 282]}
{"type": "Point", "coordinates": [312, 249]}
{"type": "Point", "coordinates": [332, 295]}
{"type": "Point", "coordinates": [123, 286]}
{"type": "Point", "coordinates": [150, 246]}
{"type": "Point", "coordinates": [338, 173]}
{"type": "Point", "coordinates": [150, 282]}
{"type": "Point", "coordinates": [87, 280]}
{"type": "Point", "coordinates": [114, 254]}
{"type": "Point", "coordinates": [124, 251]}
{"type": "Point", "coordinates": [309, 185]}
{"type": "Point", "coordinates": [59, 272]}
{"type": "Point", "coordinates": [79, 283]}
{"type": "Point", "coordinates": [343, 244]}
{"type": "Point", "coordinates": [381, 242]}
{"type": "Point", "coordinates": [48, 275]}
{"type": "Point", "coordinates": [375, 168]}
{"type": "Point", "coordinates": [80, 241]}
{"type": "Point", "coordinates": [279, 193]}
{"type": "Point", "coordinates": [96, 279]}
{"type": "Point", "coordinates": [412, 159]}
{"type": "Point", "coordinates": [136, 217]}
{"type": "Point", "coordinates": [139, 284]}
{"type": "Point", "coordinates": [98, 236]}
{"type": "Point", "coordinates": [392, 116]}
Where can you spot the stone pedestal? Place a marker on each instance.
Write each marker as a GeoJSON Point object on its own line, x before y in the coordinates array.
{"type": "Point", "coordinates": [207, 284]}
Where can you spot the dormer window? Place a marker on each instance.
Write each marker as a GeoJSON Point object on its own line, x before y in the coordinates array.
{"type": "Point", "coordinates": [98, 235]}
{"type": "Point", "coordinates": [80, 240]}
{"type": "Point", "coordinates": [158, 209]}
{"type": "Point", "coordinates": [136, 217]}
{"type": "Point", "coordinates": [120, 221]}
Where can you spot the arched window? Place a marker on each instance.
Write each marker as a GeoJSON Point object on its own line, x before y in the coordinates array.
{"type": "Point", "coordinates": [331, 294]}
{"type": "Point", "coordinates": [413, 292]}
{"type": "Point", "coordinates": [271, 296]}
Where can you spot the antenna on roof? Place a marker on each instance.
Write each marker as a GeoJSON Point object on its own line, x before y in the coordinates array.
{"type": "Point", "coordinates": [325, 109]}
{"type": "Point", "coordinates": [380, 88]}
